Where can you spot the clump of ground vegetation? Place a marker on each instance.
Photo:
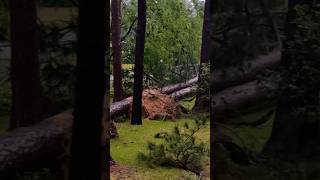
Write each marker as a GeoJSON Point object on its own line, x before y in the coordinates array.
{"type": "Point", "coordinates": [180, 148]}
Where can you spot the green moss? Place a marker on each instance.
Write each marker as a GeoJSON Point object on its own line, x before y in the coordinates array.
{"type": "Point", "coordinates": [252, 137]}
{"type": "Point", "coordinates": [188, 103]}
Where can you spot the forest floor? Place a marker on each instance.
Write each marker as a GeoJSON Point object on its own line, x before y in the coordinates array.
{"type": "Point", "coordinates": [134, 139]}
{"type": "Point", "coordinates": [252, 139]}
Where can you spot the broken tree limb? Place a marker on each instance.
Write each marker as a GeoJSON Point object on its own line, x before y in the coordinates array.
{"type": "Point", "coordinates": [176, 87]}
{"type": "Point", "coordinates": [232, 76]}
{"type": "Point", "coordinates": [239, 99]}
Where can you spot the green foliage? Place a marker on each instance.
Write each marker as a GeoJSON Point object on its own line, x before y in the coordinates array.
{"type": "Point", "coordinates": [204, 85]}
{"type": "Point", "coordinates": [180, 148]}
{"type": "Point", "coordinates": [128, 81]}
{"type": "Point", "coordinates": [301, 74]}
{"type": "Point", "coordinates": [58, 62]}
{"type": "Point", "coordinates": [172, 38]}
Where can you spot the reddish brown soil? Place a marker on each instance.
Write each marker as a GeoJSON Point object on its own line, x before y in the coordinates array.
{"type": "Point", "coordinates": [159, 106]}
{"type": "Point", "coordinates": [118, 172]}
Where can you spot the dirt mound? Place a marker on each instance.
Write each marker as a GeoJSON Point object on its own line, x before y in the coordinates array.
{"type": "Point", "coordinates": [159, 106]}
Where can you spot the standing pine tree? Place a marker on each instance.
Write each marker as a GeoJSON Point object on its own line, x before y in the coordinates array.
{"type": "Point", "coordinates": [25, 70]}
{"type": "Point", "coordinates": [116, 48]}
{"type": "Point", "coordinates": [202, 99]}
{"type": "Point", "coordinates": [88, 148]}
{"type": "Point", "coordinates": [138, 65]}
{"type": "Point", "coordinates": [296, 128]}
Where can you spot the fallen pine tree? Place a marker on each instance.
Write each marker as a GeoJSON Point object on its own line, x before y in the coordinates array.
{"type": "Point", "coordinates": [222, 79]}
{"type": "Point", "coordinates": [232, 76]}
{"type": "Point", "coordinates": [46, 144]}
{"type": "Point", "coordinates": [176, 87]}
{"type": "Point", "coordinates": [41, 145]}
{"type": "Point", "coordinates": [241, 99]}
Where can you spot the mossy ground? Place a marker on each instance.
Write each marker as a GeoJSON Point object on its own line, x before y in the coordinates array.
{"type": "Point", "coordinates": [253, 138]}
{"type": "Point", "coordinates": [134, 139]}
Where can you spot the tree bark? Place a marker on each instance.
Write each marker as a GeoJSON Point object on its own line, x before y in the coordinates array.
{"type": "Point", "coordinates": [25, 70]}
{"type": "Point", "coordinates": [138, 65]}
{"type": "Point", "coordinates": [184, 93]}
{"type": "Point", "coordinates": [239, 99]}
{"type": "Point", "coordinates": [116, 48]}
{"type": "Point", "coordinates": [176, 87]}
{"type": "Point", "coordinates": [88, 151]}
{"type": "Point", "coordinates": [204, 58]}
{"type": "Point", "coordinates": [222, 79]}
{"type": "Point", "coordinates": [205, 46]}
{"type": "Point", "coordinates": [44, 144]}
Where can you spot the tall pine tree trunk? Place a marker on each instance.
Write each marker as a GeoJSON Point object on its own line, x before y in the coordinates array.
{"type": "Point", "coordinates": [88, 149]}
{"type": "Point", "coordinates": [25, 71]}
{"type": "Point", "coordinates": [202, 99]}
{"type": "Point", "coordinates": [138, 65]}
{"type": "Point", "coordinates": [116, 48]}
{"type": "Point", "coordinates": [296, 128]}
{"type": "Point", "coordinates": [205, 46]}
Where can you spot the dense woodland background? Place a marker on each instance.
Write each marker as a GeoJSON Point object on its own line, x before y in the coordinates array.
{"type": "Point", "coordinates": [157, 71]}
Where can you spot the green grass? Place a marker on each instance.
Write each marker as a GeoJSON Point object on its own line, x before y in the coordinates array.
{"type": "Point", "coordinates": [133, 139]}
{"type": "Point", "coordinates": [253, 138]}
{"type": "Point", "coordinates": [188, 103]}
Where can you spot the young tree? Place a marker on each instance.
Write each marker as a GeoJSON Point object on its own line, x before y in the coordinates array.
{"type": "Point", "coordinates": [138, 64]}
{"type": "Point", "coordinates": [88, 148]}
{"type": "Point", "coordinates": [296, 128]}
{"type": "Point", "coordinates": [25, 70]}
{"type": "Point", "coordinates": [116, 49]}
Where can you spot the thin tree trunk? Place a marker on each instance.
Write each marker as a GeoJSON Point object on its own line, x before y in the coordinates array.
{"type": "Point", "coordinates": [25, 71]}
{"type": "Point", "coordinates": [88, 151]}
{"type": "Point", "coordinates": [116, 48]}
{"type": "Point", "coordinates": [138, 67]}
